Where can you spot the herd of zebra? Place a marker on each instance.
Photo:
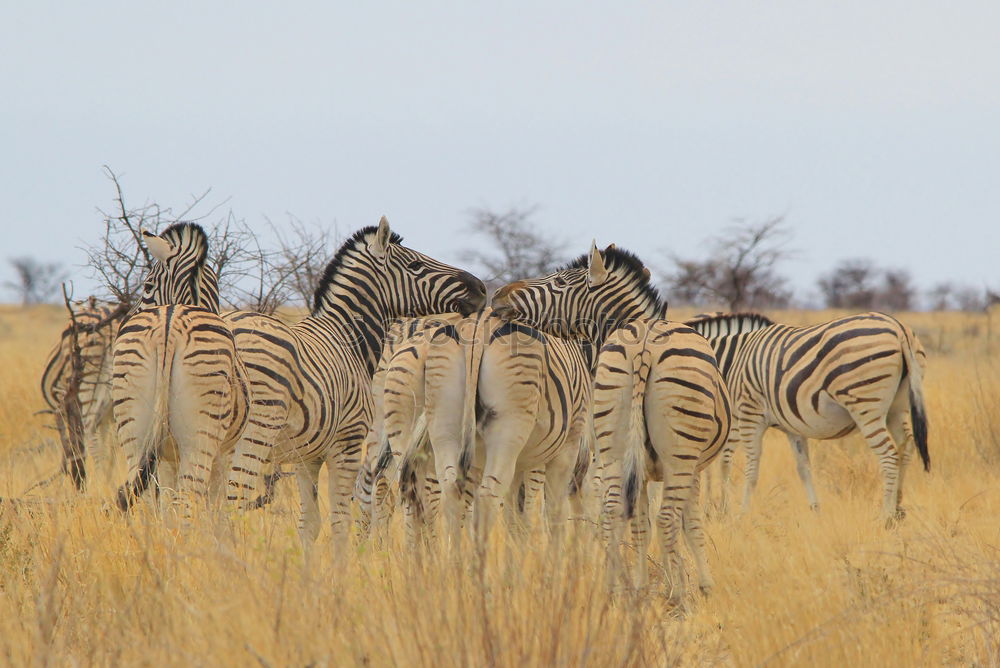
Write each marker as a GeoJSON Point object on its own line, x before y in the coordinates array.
{"type": "Point", "coordinates": [417, 394]}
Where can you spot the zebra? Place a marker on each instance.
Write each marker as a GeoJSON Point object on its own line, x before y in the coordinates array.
{"type": "Point", "coordinates": [660, 406]}
{"type": "Point", "coordinates": [531, 396]}
{"type": "Point", "coordinates": [862, 372]}
{"type": "Point", "coordinates": [371, 496]}
{"type": "Point", "coordinates": [93, 325]}
{"type": "Point", "coordinates": [311, 381]}
{"type": "Point", "coordinates": [176, 373]}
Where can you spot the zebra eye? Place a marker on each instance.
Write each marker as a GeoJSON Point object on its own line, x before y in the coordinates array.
{"type": "Point", "coordinates": [559, 282]}
{"type": "Point", "coordinates": [416, 265]}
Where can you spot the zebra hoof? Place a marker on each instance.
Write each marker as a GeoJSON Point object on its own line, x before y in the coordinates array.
{"type": "Point", "coordinates": [814, 507]}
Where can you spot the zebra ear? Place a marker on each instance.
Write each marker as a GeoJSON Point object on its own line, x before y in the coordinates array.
{"type": "Point", "coordinates": [597, 272]}
{"type": "Point", "coordinates": [158, 248]}
{"type": "Point", "coordinates": [380, 244]}
{"type": "Point", "coordinates": [610, 247]}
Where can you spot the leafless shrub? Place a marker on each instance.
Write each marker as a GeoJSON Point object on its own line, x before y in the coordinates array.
{"type": "Point", "coordinates": [740, 271]}
{"type": "Point", "coordinates": [302, 256]}
{"type": "Point", "coordinates": [859, 284]}
{"type": "Point", "coordinates": [948, 296]}
{"type": "Point", "coordinates": [250, 277]}
{"type": "Point", "coordinates": [516, 248]}
{"type": "Point", "coordinates": [37, 282]}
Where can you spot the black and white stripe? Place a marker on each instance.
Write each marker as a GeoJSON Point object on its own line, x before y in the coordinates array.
{"type": "Point", "coordinates": [660, 406]}
{"type": "Point", "coordinates": [862, 372]}
{"type": "Point", "coordinates": [311, 381]}
{"type": "Point", "coordinates": [176, 374]}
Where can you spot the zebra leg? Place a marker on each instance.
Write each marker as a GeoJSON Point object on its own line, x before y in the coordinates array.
{"type": "Point", "coordinates": [307, 476]}
{"type": "Point", "coordinates": [166, 481]}
{"type": "Point", "coordinates": [193, 474]}
{"type": "Point", "coordinates": [268, 415]}
{"type": "Point", "coordinates": [694, 534]}
{"type": "Point", "coordinates": [451, 490]}
{"type": "Point", "coordinates": [521, 504]}
{"type": "Point", "coordinates": [800, 450]}
{"type": "Point", "coordinates": [902, 433]}
{"type": "Point", "coordinates": [613, 522]}
{"type": "Point", "coordinates": [342, 471]}
{"type": "Point", "coordinates": [668, 521]}
{"type": "Point", "coordinates": [217, 479]}
{"type": "Point", "coordinates": [197, 449]}
{"type": "Point", "coordinates": [726, 475]}
{"type": "Point", "coordinates": [640, 537]}
{"type": "Point", "coordinates": [432, 505]}
{"type": "Point", "coordinates": [752, 436]}
{"type": "Point", "coordinates": [557, 476]}
{"type": "Point", "coordinates": [364, 493]}
{"type": "Point", "coordinates": [875, 430]}
{"type": "Point", "coordinates": [710, 483]}
{"type": "Point", "coordinates": [498, 473]}
{"type": "Point", "coordinates": [513, 505]}
{"type": "Point", "coordinates": [99, 443]}
{"type": "Point", "coordinates": [534, 481]}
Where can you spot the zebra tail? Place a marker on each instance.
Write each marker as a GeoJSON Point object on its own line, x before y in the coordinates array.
{"type": "Point", "coordinates": [473, 354]}
{"type": "Point", "coordinates": [633, 470]}
{"type": "Point", "coordinates": [918, 414]}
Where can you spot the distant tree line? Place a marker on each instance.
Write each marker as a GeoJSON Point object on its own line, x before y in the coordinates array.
{"type": "Point", "coordinates": [740, 271]}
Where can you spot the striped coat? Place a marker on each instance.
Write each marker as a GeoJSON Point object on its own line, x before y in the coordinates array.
{"type": "Point", "coordinates": [661, 410]}
{"type": "Point", "coordinates": [861, 372]}
{"type": "Point", "coordinates": [179, 389]}
{"type": "Point", "coordinates": [311, 381]}
{"type": "Point", "coordinates": [95, 327]}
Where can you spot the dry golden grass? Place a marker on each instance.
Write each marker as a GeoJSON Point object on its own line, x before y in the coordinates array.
{"type": "Point", "coordinates": [79, 585]}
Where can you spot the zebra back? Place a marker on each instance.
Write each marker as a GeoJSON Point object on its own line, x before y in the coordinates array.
{"type": "Point", "coordinates": [716, 325]}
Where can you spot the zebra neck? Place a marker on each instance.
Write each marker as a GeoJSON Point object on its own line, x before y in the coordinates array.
{"type": "Point", "coordinates": [600, 328]}
{"type": "Point", "coordinates": [362, 327]}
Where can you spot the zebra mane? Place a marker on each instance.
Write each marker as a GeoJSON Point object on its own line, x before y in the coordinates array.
{"type": "Point", "coordinates": [627, 261]}
{"type": "Point", "coordinates": [714, 325]}
{"type": "Point", "coordinates": [188, 234]}
{"type": "Point", "coordinates": [333, 268]}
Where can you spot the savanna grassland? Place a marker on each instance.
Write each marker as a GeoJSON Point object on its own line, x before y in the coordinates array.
{"type": "Point", "coordinates": [82, 585]}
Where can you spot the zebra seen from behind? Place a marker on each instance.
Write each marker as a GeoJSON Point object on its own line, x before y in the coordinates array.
{"type": "Point", "coordinates": [373, 497]}
{"type": "Point", "coordinates": [660, 407]}
{"type": "Point", "coordinates": [862, 372]}
{"type": "Point", "coordinates": [311, 381]}
{"type": "Point", "coordinates": [506, 410]}
{"type": "Point", "coordinates": [179, 389]}
{"type": "Point", "coordinates": [94, 324]}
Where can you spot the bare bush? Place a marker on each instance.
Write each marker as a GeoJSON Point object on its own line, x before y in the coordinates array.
{"type": "Point", "coordinates": [37, 282]}
{"type": "Point", "coordinates": [858, 284]}
{"type": "Point", "coordinates": [948, 296]}
{"type": "Point", "coordinates": [516, 248]}
{"type": "Point", "coordinates": [740, 271]}
{"type": "Point", "coordinates": [302, 256]}
{"type": "Point", "coordinates": [249, 276]}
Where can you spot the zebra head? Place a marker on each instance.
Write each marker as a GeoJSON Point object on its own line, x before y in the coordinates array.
{"type": "Point", "coordinates": [180, 273]}
{"type": "Point", "coordinates": [588, 298]}
{"type": "Point", "coordinates": [373, 277]}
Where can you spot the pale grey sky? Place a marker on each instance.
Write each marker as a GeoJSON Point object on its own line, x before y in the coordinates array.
{"type": "Point", "coordinates": [874, 126]}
